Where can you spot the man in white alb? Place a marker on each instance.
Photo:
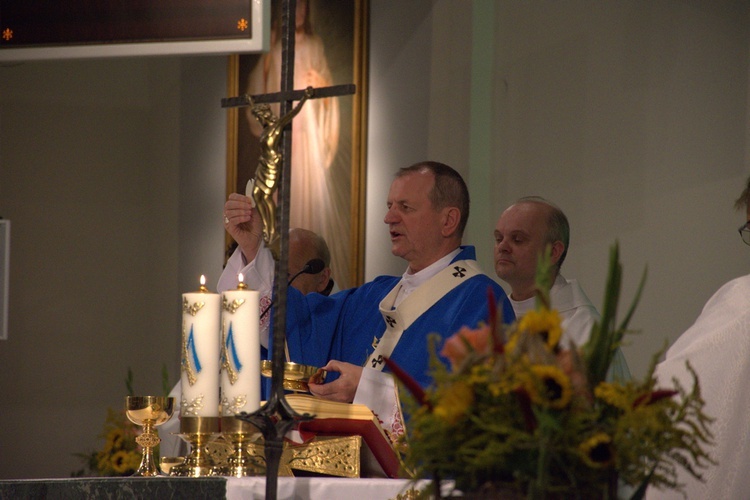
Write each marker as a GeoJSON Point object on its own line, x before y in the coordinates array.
{"type": "Point", "coordinates": [717, 346]}
{"type": "Point", "coordinates": [522, 232]}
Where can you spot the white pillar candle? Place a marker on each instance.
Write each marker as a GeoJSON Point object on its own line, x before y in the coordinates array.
{"type": "Point", "coordinates": [240, 350]}
{"type": "Point", "coordinates": [201, 339]}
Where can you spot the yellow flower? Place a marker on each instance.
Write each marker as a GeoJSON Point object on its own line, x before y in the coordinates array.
{"type": "Point", "coordinates": [500, 387]}
{"type": "Point", "coordinates": [120, 462]}
{"type": "Point", "coordinates": [544, 322]}
{"type": "Point", "coordinates": [454, 402]}
{"type": "Point", "coordinates": [597, 451]}
{"type": "Point", "coordinates": [613, 394]}
{"type": "Point", "coordinates": [549, 386]}
{"type": "Point", "coordinates": [114, 440]}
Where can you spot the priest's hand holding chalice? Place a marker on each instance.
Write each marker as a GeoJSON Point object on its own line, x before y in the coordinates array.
{"type": "Point", "coordinates": [148, 412]}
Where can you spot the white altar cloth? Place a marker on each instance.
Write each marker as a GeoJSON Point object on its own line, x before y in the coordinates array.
{"type": "Point", "coordinates": [318, 488]}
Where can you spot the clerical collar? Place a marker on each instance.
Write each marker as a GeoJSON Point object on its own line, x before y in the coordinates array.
{"type": "Point", "coordinates": [410, 282]}
{"type": "Point", "coordinates": [521, 307]}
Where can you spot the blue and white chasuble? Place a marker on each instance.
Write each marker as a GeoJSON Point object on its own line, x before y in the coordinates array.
{"type": "Point", "coordinates": [344, 326]}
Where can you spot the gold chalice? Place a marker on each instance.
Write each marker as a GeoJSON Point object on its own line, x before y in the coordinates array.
{"type": "Point", "coordinates": [296, 375]}
{"type": "Point", "coordinates": [148, 412]}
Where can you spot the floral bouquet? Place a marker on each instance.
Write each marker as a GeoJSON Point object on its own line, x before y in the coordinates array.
{"type": "Point", "coordinates": [120, 455]}
{"type": "Point", "coordinates": [520, 415]}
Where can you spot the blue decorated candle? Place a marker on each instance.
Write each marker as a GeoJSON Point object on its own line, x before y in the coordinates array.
{"type": "Point", "coordinates": [199, 365]}
{"type": "Point", "coordinates": [240, 350]}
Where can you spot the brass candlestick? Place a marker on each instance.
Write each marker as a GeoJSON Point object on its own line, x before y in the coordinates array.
{"type": "Point", "coordinates": [148, 412]}
{"type": "Point", "coordinates": [197, 432]}
{"type": "Point", "coordinates": [240, 463]}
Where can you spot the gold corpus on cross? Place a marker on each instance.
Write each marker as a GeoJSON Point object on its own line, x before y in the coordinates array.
{"type": "Point", "coordinates": [265, 182]}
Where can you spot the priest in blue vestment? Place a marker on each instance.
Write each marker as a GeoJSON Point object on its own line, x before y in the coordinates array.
{"type": "Point", "coordinates": [350, 332]}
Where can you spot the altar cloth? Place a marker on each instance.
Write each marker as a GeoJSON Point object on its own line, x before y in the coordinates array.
{"type": "Point", "coordinates": [318, 488]}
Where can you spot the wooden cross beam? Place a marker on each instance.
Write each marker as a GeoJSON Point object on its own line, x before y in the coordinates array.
{"type": "Point", "coordinates": [277, 417]}
{"type": "Point", "coordinates": [293, 95]}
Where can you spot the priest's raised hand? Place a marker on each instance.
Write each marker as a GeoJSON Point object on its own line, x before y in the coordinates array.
{"type": "Point", "coordinates": [244, 224]}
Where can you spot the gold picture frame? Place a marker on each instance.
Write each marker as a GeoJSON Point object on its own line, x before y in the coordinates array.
{"type": "Point", "coordinates": [329, 197]}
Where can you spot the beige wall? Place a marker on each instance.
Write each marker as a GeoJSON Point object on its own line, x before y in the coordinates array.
{"type": "Point", "coordinates": [114, 191]}
{"type": "Point", "coordinates": [631, 115]}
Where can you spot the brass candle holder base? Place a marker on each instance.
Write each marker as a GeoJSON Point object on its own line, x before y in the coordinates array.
{"type": "Point", "coordinates": [197, 432]}
{"type": "Point", "coordinates": [240, 463]}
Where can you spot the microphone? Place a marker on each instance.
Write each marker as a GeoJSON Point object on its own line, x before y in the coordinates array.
{"type": "Point", "coordinates": [313, 266]}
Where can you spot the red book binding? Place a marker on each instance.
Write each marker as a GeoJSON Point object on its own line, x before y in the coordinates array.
{"type": "Point", "coordinates": [343, 419]}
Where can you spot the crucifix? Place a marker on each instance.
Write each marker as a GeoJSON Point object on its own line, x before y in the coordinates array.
{"type": "Point", "coordinates": [277, 417]}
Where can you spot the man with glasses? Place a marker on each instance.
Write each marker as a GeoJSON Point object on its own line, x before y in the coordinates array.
{"type": "Point", "coordinates": [717, 346]}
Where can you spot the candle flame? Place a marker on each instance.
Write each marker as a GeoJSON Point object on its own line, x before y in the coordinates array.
{"type": "Point", "coordinates": [203, 288]}
{"type": "Point", "coordinates": [241, 285]}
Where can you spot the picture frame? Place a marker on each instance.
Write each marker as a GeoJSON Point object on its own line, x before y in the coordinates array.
{"type": "Point", "coordinates": [328, 165]}
{"type": "Point", "coordinates": [37, 30]}
{"type": "Point", "coordinates": [4, 276]}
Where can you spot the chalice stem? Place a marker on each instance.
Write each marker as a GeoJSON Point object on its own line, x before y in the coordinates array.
{"type": "Point", "coordinates": [147, 440]}
{"type": "Point", "coordinates": [148, 412]}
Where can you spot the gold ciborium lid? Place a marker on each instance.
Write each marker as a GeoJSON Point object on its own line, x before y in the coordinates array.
{"type": "Point", "coordinates": [295, 375]}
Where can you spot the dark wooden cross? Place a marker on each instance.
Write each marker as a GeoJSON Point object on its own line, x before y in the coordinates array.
{"type": "Point", "coordinates": [277, 417]}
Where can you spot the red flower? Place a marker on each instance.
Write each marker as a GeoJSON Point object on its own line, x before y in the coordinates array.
{"type": "Point", "coordinates": [524, 402]}
{"type": "Point", "coordinates": [653, 397]}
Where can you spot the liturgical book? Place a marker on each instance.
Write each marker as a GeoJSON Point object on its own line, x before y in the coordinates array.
{"type": "Point", "coordinates": [344, 419]}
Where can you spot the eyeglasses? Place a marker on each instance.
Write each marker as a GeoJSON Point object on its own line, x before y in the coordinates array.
{"type": "Point", "coordinates": [744, 231]}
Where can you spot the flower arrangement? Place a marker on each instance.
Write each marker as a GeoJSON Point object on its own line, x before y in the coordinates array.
{"type": "Point", "coordinates": [120, 455]}
{"type": "Point", "coordinates": [521, 412]}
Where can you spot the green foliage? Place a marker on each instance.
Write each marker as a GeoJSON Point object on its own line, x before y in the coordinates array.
{"type": "Point", "coordinates": [166, 387]}
{"type": "Point", "coordinates": [129, 382]}
{"type": "Point", "coordinates": [606, 336]}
